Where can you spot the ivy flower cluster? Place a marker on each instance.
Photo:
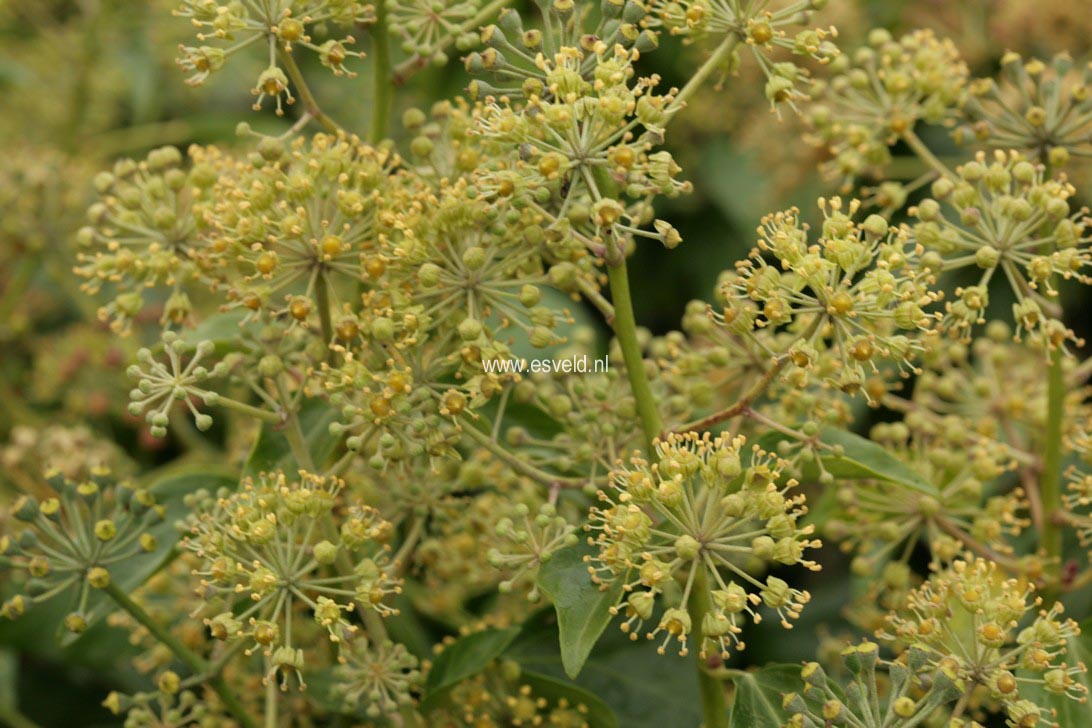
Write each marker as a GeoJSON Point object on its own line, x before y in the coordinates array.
{"type": "Point", "coordinates": [274, 547]}
{"type": "Point", "coordinates": [385, 498]}
{"type": "Point", "coordinates": [1002, 213]}
{"type": "Point", "coordinates": [845, 299]}
{"type": "Point", "coordinates": [72, 540]}
{"type": "Point", "coordinates": [144, 234]}
{"type": "Point", "coordinates": [1041, 109]}
{"type": "Point", "coordinates": [225, 28]}
{"type": "Point", "coordinates": [587, 144]}
{"type": "Point", "coordinates": [294, 227]}
{"type": "Point", "coordinates": [700, 513]}
{"type": "Point", "coordinates": [967, 618]}
{"type": "Point", "coordinates": [762, 29]}
{"type": "Point", "coordinates": [879, 93]}
{"type": "Point", "coordinates": [880, 523]}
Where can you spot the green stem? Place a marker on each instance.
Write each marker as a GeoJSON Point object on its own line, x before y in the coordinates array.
{"type": "Point", "coordinates": [381, 74]}
{"type": "Point", "coordinates": [725, 49]}
{"type": "Point", "coordinates": [925, 154]}
{"type": "Point", "coordinates": [270, 703]}
{"type": "Point", "coordinates": [625, 329]}
{"type": "Point", "coordinates": [298, 443]}
{"type": "Point", "coordinates": [1050, 482]}
{"type": "Point", "coordinates": [308, 98]}
{"type": "Point", "coordinates": [714, 707]}
{"type": "Point", "coordinates": [183, 653]}
{"type": "Point", "coordinates": [247, 409]}
{"type": "Point", "coordinates": [322, 298]}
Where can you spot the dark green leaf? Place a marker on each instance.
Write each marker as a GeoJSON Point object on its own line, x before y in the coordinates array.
{"type": "Point", "coordinates": [463, 660]}
{"type": "Point", "coordinates": [583, 608]}
{"type": "Point", "coordinates": [642, 687]}
{"type": "Point", "coordinates": [223, 329]}
{"type": "Point", "coordinates": [598, 715]}
{"type": "Point", "coordinates": [758, 694]}
{"type": "Point", "coordinates": [862, 458]}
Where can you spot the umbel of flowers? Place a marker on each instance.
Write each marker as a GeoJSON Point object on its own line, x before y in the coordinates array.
{"type": "Point", "coordinates": [704, 516]}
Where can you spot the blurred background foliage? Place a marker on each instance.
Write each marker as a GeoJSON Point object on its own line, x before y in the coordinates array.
{"type": "Point", "coordinates": [87, 81]}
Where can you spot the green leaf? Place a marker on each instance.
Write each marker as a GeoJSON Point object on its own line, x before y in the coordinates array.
{"type": "Point", "coordinates": [272, 452]}
{"type": "Point", "coordinates": [757, 700]}
{"type": "Point", "coordinates": [862, 458]}
{"type": "Point", "coordinates": [643, 688]}
{"type": "Point", "coordinates": [223, 329]}
{"type": "Point", "coordinates": [583, 608]}
{"type": "Point", "coordinates": [463, 660]}
{"type": "Point", "coordinates": [599, 714]}
{"type": "Point", "coordinates": [1070, 712]}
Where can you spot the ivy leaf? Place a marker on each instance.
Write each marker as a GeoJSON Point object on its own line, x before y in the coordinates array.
{"type": "Point", "coordinates": [463, 660]}
{"type": "Point", "coordinates": [272, 452]}
{"type": "Point", "coordinates": [758, 694]}
{"type": "Point", "coordinates": [862, 458]}
{"type": "Point", "coordinates": [583, 608]}
{"type": "Point", "coordinates": [225, 330]}
{"type": "Point", "coordinates": [641, 687]}
{"type": "Point", "coordinates": [599, 714]}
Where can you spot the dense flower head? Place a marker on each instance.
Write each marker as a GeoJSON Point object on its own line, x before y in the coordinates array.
{"type": "Point", "coordinates": [1044, 110]}
{"type": "Point", "coordinates": [761, 28]}
{"type": "Point", "coordinates": [587, 145]}
{"type": "Point", "coordinates": [424, 26]}
{"type": "Point", "coordinates": [396, 404]}
{"type": "Point", "coordinates": [144, 233]}
{"type": "Point", "coordinates": [1004, 214]}
{"type": "Point", "coordinates": [72, 539]}
{"type": "Point", "coordinates": [472, 269]}
{"type": "Point", "coordinates": [376, 676]}
{"type": "Point", "coordinates": [881, 523]}
{"type": "Point", "coordinates": [271, 547]}
{"type": "Point", "coordinates": [227, 27]}
{"type": "Point", "coordinates": [845, 298]}
{"type": "Point", "coordinates": [700, 508]}
{"type": "Point", "coordinates": [881, 91]}
{"type": "Point", "coordinates": [294, 226]}
{"type": "Point", "coordinates": [968, 617]}
{"type": "Point", "coordinates": [561, 57]}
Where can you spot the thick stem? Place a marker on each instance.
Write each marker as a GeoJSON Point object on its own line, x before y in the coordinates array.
{"type": "Point", "coordinates": [183, 653]}
{"type": "Point", "coordinates": [1050, 482]}
{"type": "Point", "coordinates": [924, 154]}
{"type": "Point", "coordinates": [270, 702]}
{"type": "Point", "coordinates": [725, 49]}
{"type": "Point", "coordinates": [714, 707]}
{"type": "Point", "coordinates": [381, 75]}
{"type": "Point", "coordinates": [308, 98]}
{"type": "Point", "coordinates": [625, 329]}
{"type": "Point", "coordinates": [298, 443]}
